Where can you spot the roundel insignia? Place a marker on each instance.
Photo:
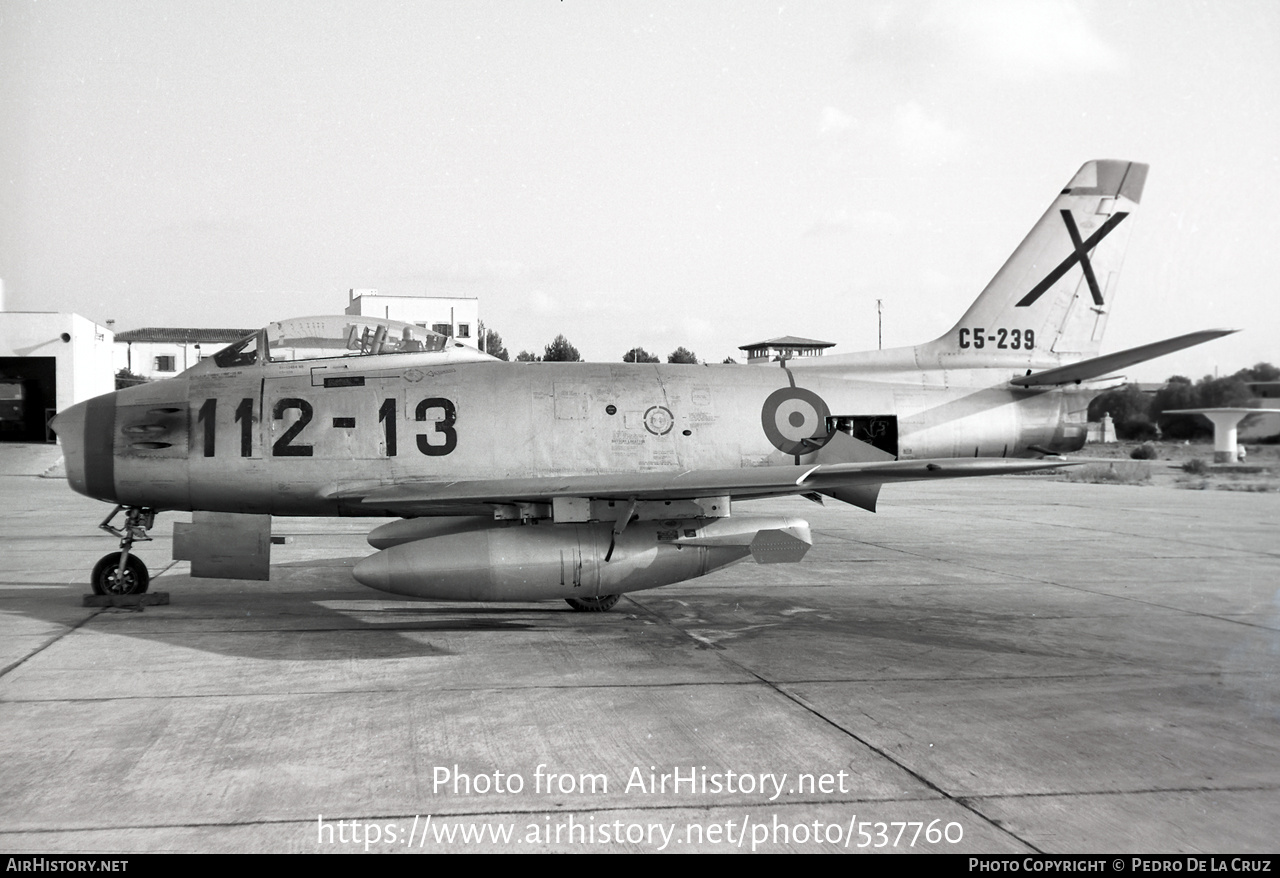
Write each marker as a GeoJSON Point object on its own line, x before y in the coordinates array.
{"type": "Point", "coordinates": [658, 420]}
{"type": "Point", "coordinates": [795, 420]}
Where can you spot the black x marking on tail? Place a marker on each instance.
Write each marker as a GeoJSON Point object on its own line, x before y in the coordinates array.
{"type": "Point", "coordinates": [1080, 254]}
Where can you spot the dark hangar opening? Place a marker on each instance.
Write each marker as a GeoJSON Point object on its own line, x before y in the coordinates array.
{"type": "Point", "coordinates": [28, 398]}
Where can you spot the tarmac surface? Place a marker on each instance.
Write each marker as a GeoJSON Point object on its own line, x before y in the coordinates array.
{"type": "Point", "coordinates": [1003, 665]}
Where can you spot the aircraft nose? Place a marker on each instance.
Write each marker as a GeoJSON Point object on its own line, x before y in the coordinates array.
{"type": "Point", "coordinates": [69, 427]}
{"type": "Point", "coordinates": [69, 422]}
{"type": "Point", "coordinates": [85, 431]}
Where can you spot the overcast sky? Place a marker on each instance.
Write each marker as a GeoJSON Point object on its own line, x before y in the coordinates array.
{"type": "Point", "coordinates": [633, 173]}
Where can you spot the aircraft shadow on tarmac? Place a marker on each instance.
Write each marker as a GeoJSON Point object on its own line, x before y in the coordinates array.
{"type": "Point", "coordinates": [312, 611]}
{"type": "Point", "coordinates": [290, 618]}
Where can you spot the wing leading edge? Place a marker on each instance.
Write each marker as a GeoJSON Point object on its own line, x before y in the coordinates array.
{"type": "Point", "coordinates": [853, 482]}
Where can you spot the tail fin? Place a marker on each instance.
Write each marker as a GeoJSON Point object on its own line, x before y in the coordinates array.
{"type": "Point", "coordinates": [1050, 301]}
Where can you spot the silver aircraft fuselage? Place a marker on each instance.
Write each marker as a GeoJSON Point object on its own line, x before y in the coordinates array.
{"type": "Point", "coordinates": [289, 438]}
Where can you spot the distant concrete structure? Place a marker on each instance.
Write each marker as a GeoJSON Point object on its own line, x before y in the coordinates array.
{"type": "Point", "coordinates": [162, 352]}
{"type": "Point", "coordinates": [784, 348]}
{"type": "Point", "coordinates": [48, 362]}
{"type": "Point", "coordinates": [1225, 422]}
{"type": "Point", "coordinates": [1102, 431]}
{"type": "Point", "coordinates": [455, 317]}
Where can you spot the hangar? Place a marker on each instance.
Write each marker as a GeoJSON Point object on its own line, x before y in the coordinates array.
{"type": "Point", "coordinates": [48, 361]}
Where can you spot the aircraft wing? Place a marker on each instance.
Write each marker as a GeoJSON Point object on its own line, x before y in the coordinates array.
{"type": "Point", "coordinates": [853, 482]}
{"type": "Point", "coordinates": [1099, 366]}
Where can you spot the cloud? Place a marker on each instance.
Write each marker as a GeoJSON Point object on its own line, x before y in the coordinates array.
{"type": "Point", "coordinates": [1023, 37]}
{"type": "Point", "coordinates": [924, 138]}
{"type": "Point", "coordinates": [906, 128]}
{"type": "Point", "coordinates": [833, 223]}
{"type": "Point", "coordinates": [480, 271]}
{"type": "Point", "coordinates": [933, 281]}
{"type": "Point", "coordinates": [834, 120]}
{"type": "Point", "coordinates": [1004, 39]}
{"type": "Point", "coordinates": [843, 221]}
{"type": "Point", "coordinates": [699, 329]}
{"type": "Point", "coordinates": [542, 302]}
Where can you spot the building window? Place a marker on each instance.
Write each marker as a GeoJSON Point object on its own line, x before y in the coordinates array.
{"type": "Point", "coordinates": [164, 363]}
{"type": "Point", "coordinates": [464, 330]}
{"type": "Point", "coordinates": [442, 328]}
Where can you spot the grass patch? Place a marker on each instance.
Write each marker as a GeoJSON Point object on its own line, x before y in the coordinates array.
{"type": "Point", "coordinates": [1253, 484]}
{"type": "Point", "coordinates": [1119, 472]}
{"type": "Point", "coordinates": [1265, 484]}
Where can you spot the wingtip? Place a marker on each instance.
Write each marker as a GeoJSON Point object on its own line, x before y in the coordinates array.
{"type": "Point", "coordinates": [1211, 334]}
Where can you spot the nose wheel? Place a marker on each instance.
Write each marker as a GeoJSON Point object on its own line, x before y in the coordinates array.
{"type": "Point", "coordinates": [111, 575]}
{"type": "Point", "coordinates": [123, 572]}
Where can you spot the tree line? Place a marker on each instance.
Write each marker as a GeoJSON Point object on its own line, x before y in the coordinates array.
{"type": "Point", "coordinates": [561, 350]}
{"type": "Point", "coordinates": [1138, 415]}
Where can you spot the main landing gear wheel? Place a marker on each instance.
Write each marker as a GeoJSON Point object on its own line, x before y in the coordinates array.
{"type": "Point", "coordinates": [107, 577]}
{"type": "Point", "coordinates": [593, 605]}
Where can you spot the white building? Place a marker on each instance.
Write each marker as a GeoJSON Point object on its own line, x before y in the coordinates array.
{"type": "Point", "coordinates": [456, 317]}
{"type": "Point", "coordinates": [162, 352]}
{"type": "Point", "coordinates": [48, 362]}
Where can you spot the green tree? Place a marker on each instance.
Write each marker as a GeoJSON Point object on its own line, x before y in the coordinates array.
{"type": "Point", "coordinates": [125, 378]}
{"type": "Point", "coordinates": [527, 357]}
{"type": "Point", "coordinates": [1177, 393]}
{"type": "Point", "coordinates": [639, 355]}
{"type": "Point", "coordinates": [1260, 372]}
{"type": "Point", "coordinates": [493, 346]}
{"type": "Point", "coordinates": [1220, 392]}
{"type": "Point", "coordinates": [682, 355]}
{"type": "Point", "coordinates": [561, 351]}
{"type": "Point", "coordinates": [729, 361]}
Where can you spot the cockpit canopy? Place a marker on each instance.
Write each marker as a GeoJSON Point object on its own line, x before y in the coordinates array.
{"type": "Point", "coordinates": [315, 338]}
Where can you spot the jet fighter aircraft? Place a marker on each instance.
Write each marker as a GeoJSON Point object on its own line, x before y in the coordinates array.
{"type": "Point", "coordinates": [583, 481]}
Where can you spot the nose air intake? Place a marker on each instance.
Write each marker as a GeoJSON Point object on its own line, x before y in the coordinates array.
{"type": "Point", "coordinates": [86, 431]}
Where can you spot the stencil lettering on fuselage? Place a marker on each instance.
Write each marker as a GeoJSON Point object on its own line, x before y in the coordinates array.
{"type": "Point", "coordinates": [658, 420]}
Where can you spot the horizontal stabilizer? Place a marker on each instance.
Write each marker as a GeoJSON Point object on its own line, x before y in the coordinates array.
{"type": "Point", "coordinates": [1096, 367]}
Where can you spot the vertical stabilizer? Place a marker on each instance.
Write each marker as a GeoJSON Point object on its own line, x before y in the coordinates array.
{"type": "Point", "coordinates": [1050, 301]}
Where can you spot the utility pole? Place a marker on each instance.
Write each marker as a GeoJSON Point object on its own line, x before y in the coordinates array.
{"type": "Point", "coordinates": [879, 324]}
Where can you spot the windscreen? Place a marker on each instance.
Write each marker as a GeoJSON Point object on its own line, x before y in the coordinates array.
{"type": "Point", "coordinates": [315, 338]}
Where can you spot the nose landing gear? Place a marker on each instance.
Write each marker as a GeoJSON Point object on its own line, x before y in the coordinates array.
{"type": "Point", "coordinates": [122, 572]}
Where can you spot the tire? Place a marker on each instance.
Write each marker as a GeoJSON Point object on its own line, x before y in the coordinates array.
{"type": "Point", "coordinates": [602, 604]}
{"type": "Point", "coordinates": [135, 581]}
